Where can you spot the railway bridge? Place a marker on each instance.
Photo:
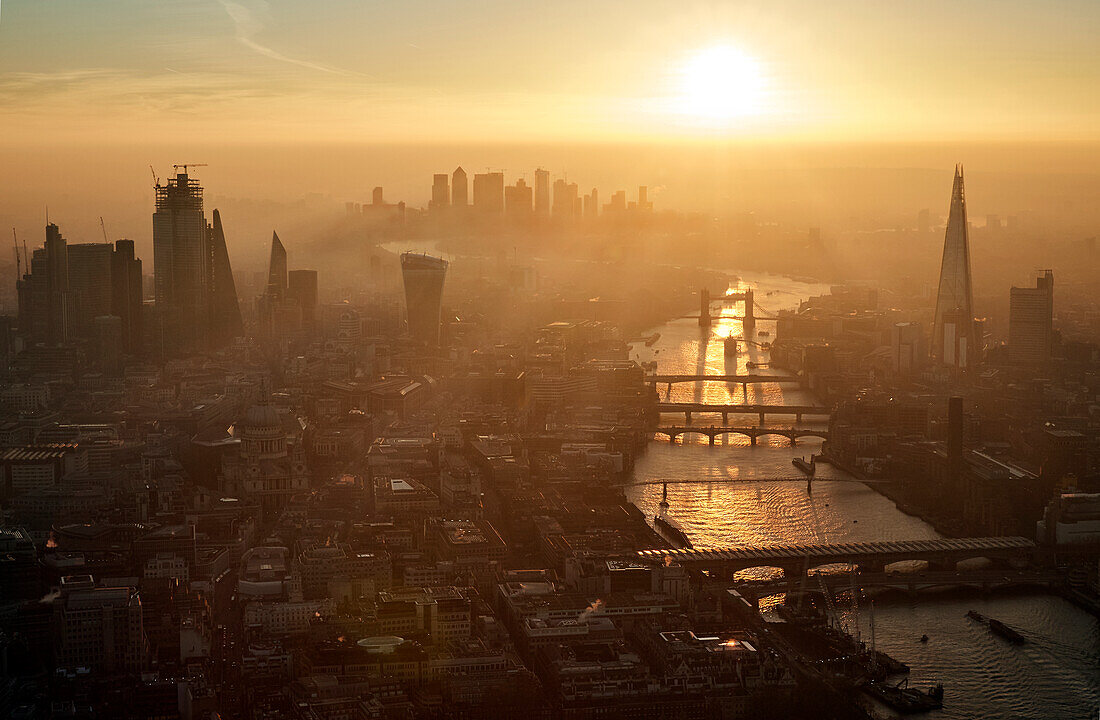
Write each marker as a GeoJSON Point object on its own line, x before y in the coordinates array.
{"type": "Point", "coordinates": [726, 409]}
{"type": "Point", "coordinates": [796, 560]}
{"type": "Point", "coordinates": [714, 431]}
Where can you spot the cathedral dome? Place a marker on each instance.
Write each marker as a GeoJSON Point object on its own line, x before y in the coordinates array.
{"type": "Point", "coordinates": [261, 417]}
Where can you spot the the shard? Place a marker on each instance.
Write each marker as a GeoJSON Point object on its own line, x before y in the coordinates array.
{"type": "Point", "coordinates": [953, 337]}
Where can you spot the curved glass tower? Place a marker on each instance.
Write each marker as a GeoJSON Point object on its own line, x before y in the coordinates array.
{"type": "Point", "coordinates": [423, 276]}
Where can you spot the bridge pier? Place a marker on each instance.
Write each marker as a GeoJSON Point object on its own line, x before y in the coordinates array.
{"type": "Point", "coordinates": [671, 439]}
{"type": "Point", "coordinates": [725, 417]}
{"type": "Point", "coordinates": [752, 440]}
{"type": "Point", "coordinates": [687, 416]}
{"type": "Point", "coordinates": [794, 440]}
{"type": "Point", "coordinates": [798, 418]}
{"type": "Point", "coordinates": [761, 418]}
{"type": "Point", "coordinates": [712, 440]}
{"type": "Point", "coordinates": [745, 391]}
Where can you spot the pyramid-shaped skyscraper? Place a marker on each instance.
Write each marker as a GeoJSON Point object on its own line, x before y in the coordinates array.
{"type": "Point", "coordinates": [953, 335]}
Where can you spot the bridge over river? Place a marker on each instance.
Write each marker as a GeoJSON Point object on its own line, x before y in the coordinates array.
{"type": "Point", "coordinates": [715, 431]}
{"type": "Point", "coordinates": [687, 408]}
{"type": "Point", "coordinates": [796, 560]}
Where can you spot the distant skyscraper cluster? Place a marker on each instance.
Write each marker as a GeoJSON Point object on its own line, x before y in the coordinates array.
{"type": "Point", "coordinates": [288, 307]}
{"type": "Point", "coordinates": [486, 196]}
{"type": "Point", "coordinates": [88, 293]}
{"type": "Point", "coordinates": [196, 299]}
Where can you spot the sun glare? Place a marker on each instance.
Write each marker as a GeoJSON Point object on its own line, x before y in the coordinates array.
{"type": "Point", "coordinates": [721, 83]}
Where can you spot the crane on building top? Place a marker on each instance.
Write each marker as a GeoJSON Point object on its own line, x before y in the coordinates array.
{"type": "Point", "coordinates": [156, 180]}
{"type": "Point", "coordinates": [187, 165]}
{"type": "Point", "coordinates": [103, 227]}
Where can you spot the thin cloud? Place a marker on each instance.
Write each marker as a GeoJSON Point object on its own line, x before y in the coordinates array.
{"type": "Point", "coordinates": [248, 25]}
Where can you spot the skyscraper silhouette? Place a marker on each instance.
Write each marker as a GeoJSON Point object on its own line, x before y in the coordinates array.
{"type": "Point", "coordinates": [180, 264]}
{"type": "Point", "coordinates": [277, 269]}
{"type": "Point", "coordinates": [225, 311]}
{"type": "Point", "coordinates": [458, 188]}
{"type": "Point", "coordinates": [441, 191]}
{"type": "Point", "coordinates": [953, 337]}
{"type": "Point", "coordinates": [423, 276]}
{"type": "Point", "coordinates": [542, 192]}
{"type": "Point", "coordinates": [126, 299]}
{"type": "Point", "coordinates": [489, 192]}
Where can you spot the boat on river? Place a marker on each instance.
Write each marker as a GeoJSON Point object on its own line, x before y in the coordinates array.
{"type": "Point", "coordinates": [906, 700]}
{"type": "Point", "coordinates": [667, 527]}
{"type": "Point", "coordinates": [998, 628]}
{"type": "Point", "coordinates": [730, 345]}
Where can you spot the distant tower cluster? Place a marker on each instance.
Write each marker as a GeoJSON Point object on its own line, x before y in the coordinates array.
{"type": "Point", "coordinates": [491, 197]}
{"type": "Point", "coordinates": [423, 276]}
{"type": "Point", "coordinates": [72, 293]}
{"type": "Point", "coordinates": [196, 299]}
{"type": "Point", "coordinates": [954, 341]}
{"type": "Point", "coordinates": [288, 306]}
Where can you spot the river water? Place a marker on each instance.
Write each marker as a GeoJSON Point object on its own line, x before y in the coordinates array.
{"type": "Point", "coordinates": [722, 495]}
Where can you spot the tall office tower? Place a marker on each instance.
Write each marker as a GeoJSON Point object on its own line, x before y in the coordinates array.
{"type": "Point", "coordinates": [542, 192]}
{"type": "Point", "coordinates": [617, 204]}
{"type": "Point", "coordinates": [1031, 322]}
{"type": "Point", "coordinates": [592, 205]}
{"type": "Point", "coordinates": [423, 276]}
{"type": "Point", "coordinates": [276, 268]}
{"type": "Point", "coordinates": [90, 270]}
{"type": "Point", "coordinates": [224, 321]}
{"type": "Point", "coordinates": [458, 188]}
{"type": "Point", "coordinates": [565, 198]}
{"type": "Point", "coordinates": [45, 306]}
{"type": "Point", "coordinates": [953, 337]}
{"type": "Point", "coordinates": [517, 199]}
{"type": "Point", "coordinates": [99, 628]}
{"type": "Point", "coordinates": [302, 286]}
{"type": "Point", "coordinates": [180, 265]}
{"type": "Point", "coordinates": [376, 196]}
{"type": "Point", "coordinates": [58, 304]}
{"type": "Point", "coordinates": [489, 192]}
{"type": "Point", "coordinates": [441, 192]}
{"type": "Point", "coordinates": [126, 297]}
{"type": "Point", "coordinates": [644, 203]}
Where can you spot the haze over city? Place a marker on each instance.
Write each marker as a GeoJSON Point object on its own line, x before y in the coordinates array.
{"type": "Point", "coordinates": [491, 360]}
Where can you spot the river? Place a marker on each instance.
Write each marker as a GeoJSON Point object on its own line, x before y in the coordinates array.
{"type": "Point", "coordinates": [721, 496]}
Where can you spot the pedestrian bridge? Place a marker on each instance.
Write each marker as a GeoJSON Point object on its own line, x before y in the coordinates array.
{"type": "Point", "coordinates": [796, 560]}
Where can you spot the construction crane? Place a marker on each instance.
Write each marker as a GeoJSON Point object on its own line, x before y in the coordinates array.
{"type": "Point", "coordinates": [156, 180]}
{"type": "Point", "coordinates": [187, 165]}
{"type": "Point", "coordinates": [103, 227]}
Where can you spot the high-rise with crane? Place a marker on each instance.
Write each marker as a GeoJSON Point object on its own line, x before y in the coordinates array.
{"type": "Point", "coordinates": [187, 255]}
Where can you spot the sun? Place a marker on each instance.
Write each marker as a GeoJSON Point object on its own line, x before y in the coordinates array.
{"type": "Point", "coordinates": [721, 83]}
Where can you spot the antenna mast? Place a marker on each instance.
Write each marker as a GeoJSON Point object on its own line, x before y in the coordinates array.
{"type": "Point", "coordinates": [18, 265]}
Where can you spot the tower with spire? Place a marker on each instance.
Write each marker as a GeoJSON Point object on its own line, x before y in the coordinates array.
{"type": "Point", "coordinates": [954, 341]}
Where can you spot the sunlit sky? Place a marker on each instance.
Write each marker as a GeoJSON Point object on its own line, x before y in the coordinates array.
{"type": "Point", "coordinates": [574, 70]}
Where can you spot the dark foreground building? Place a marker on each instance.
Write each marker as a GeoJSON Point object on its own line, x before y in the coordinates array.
{"type": "Point", "coordinates": [423, 276]}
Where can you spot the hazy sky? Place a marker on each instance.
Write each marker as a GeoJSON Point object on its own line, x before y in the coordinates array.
{"type": "Point", "coordinates": [110, 71]}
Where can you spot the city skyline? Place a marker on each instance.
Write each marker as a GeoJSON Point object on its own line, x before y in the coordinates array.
{"type": "Point", "coordinates": [561, 361]}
